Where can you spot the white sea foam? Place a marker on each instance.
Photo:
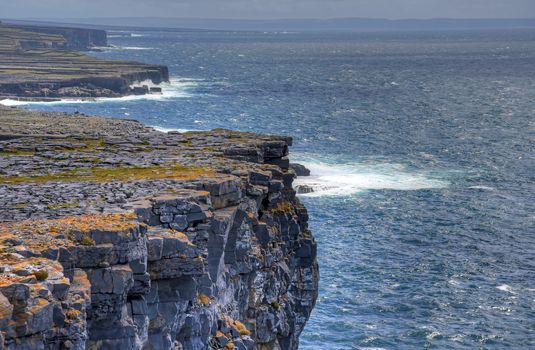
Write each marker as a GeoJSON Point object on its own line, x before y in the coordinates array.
{"type": "Point", "coordinates": [115, 47]}
{"type": "Point", "coordinates": [123, 33]}
{"type": "Point", "coordinates": [176, 88]}
{"type": "Point", "coordinates": [432, 335]}
{"type": "Point", "coordinates": [133, 48]}
{"type": "Point", "coordinates": [342, 180]}
{"type": "Point", "coordinates": [11, 103]}
{"type": "Point", "coordinates": [454, 282]}
{"type": "Point", "coordinates": [458, 337]}
{"type": "Point", "coordinates": [506, 288]}
{"type": "Point", "coordinates": [485, 188]}
{"type": "Point", "coordinates": [159, 128]}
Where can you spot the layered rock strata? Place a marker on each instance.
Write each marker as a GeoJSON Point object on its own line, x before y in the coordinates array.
{"type": "Point", "coordinates": [80, 39]}
{"type": "Point", "coordinates": [37, 63]}
{"type": "Point", "coordinates": [116, 236]}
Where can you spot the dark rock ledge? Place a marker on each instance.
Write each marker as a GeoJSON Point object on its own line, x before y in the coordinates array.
{"type": "Point", "coordinates": [116, 236]}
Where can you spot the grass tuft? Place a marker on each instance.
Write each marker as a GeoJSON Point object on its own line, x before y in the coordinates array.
{"type": "Point", "coordinates": [282, 208]}
{"type": "Point", "coordinates": [72, 314]}
{"type": "Point", "coordinates": [41, 275]}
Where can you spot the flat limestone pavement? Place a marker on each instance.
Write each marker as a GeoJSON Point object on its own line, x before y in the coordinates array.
{"type": "Point", "coordinates": [117, 236]}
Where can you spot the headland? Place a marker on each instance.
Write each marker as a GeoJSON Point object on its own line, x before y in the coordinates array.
{"type": "Point", "coordinates": [44, 63]}
{"type": "Point", "coordinates": [116, 236]}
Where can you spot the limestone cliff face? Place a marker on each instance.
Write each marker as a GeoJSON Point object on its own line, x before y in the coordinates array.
{"type": "Point", "coordinates": [92, 86]}
{"type": "Point", "coordinates": [38, 63]}
{"type": "Point", "coordinates": [80, 39]}
{"type": "Point", "coordinates": [219, 260]}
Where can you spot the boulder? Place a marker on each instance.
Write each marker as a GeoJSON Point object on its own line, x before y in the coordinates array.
{"type": "Point", "coordinates": [299, 169]}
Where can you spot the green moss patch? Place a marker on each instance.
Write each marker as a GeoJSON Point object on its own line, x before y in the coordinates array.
{"type": "Point", "coordinates": [121, 174]}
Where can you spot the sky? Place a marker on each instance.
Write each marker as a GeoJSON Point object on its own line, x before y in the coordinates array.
{"type": "Point", "coordinates": [268, 9]}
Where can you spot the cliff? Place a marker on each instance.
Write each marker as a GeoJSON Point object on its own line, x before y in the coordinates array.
{"type": "Point", "coordinates": [116, 236]}
{"type": "Point", "coordinates": [38, 63]}
{"type": "Point", "coordinates": [79, 39]}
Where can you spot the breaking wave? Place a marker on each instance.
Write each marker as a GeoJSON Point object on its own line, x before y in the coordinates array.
{"type": "Point", "coordinates": [166, 130]}
{"type": "Point", "coordinates": [136, 48]}
{"type": "Point", "coordinates": [346, 179]}
{"type": "Point", "coordinates": [176, 88]}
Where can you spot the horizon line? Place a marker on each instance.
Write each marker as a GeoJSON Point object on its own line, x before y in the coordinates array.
{"type": "Point", "coordinates": [275, 19]}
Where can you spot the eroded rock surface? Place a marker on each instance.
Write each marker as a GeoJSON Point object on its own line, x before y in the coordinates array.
{"type": "Point", "coordinates": [116, 236]}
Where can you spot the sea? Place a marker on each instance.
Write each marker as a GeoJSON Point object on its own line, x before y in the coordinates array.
{"type": "Point", "coordinates": [421, 146]}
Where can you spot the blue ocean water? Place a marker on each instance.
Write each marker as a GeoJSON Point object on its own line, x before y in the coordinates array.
{"type": "Point", "coordinates": [422, 151]}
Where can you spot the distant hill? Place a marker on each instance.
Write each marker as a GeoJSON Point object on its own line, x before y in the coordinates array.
{"type": "Point", "coordinates": [337, 24]}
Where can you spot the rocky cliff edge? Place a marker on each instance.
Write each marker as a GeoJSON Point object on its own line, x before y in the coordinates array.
{"type": "Point", "coordinates": [116, 236]}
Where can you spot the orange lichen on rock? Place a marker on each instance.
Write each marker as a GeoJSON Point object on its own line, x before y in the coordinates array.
{"type": "Point", "coordinates": [180, 235]}
{"type": "Point", "coordinates": [72, 314]}
{"type": "Point", "coordinates": [64, 225]}
{"type": "Point", "coordinates": [241, 328]}
{"type": "Point", "coordinates": [237, 325]}
{"type": "Point", "coordinates": [220, 334]}
{"type": "Point", "coordinates": [18, 269]}
{"type": "Point", "coordinates": [283, 207]}
{"type": "Point", "coordinates": [204, 299]}
{"type": "Point", "coordinates": [6, 280]}
{"type": "Point", "coordinates": [39, 235]}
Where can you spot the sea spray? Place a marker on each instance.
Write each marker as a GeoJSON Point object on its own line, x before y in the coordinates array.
{"type": "Point", "coordinates": [176, 88]}
{"type": "Point", "coordinates": [350, 178]}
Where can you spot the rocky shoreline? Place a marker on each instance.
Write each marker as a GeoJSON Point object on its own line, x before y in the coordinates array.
{"type": "Point", "coordinates": [38, 63]}
{"type": "Point", "coordinates": [117, 236]}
